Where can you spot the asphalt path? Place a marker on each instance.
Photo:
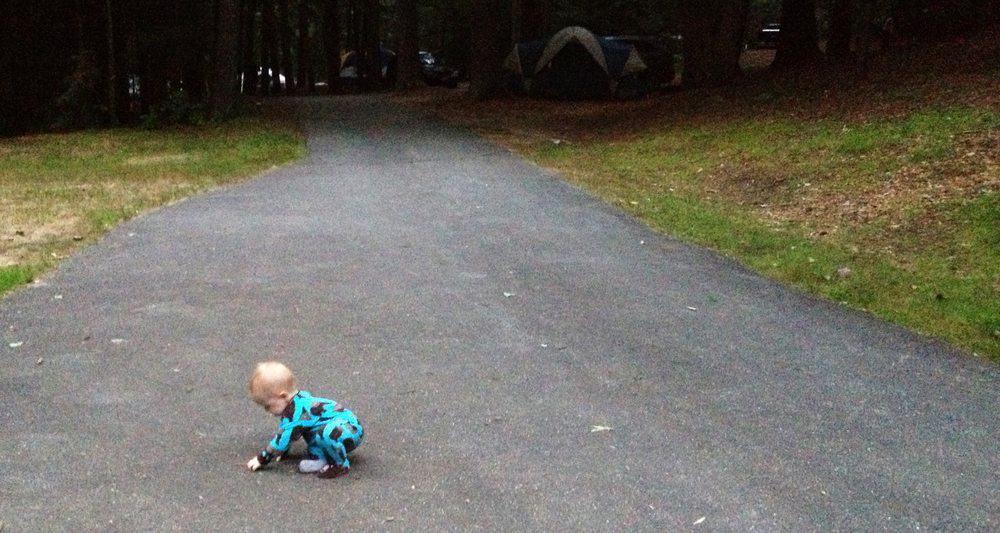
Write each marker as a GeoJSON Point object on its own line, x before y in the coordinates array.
{"type": "Point", "coordinates": [483, 318]}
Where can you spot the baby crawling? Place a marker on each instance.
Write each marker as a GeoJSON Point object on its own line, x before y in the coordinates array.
{"type": "Point", "coordinates": [330, 430]}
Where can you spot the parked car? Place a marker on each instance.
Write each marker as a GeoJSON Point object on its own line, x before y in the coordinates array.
{"type": "Point", "coordinates": [768, 36]}
{"type": "Point", "coordinates": [434, 72]}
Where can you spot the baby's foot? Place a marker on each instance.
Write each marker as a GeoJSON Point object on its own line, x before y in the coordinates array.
{"type": "Point", "coordinates": [331, 471]}
{"type": "Point", "coordinates": [311, 466]}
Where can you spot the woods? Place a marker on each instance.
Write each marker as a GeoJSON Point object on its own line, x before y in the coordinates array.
{"type": "Point", "coordinates": [77, 63]}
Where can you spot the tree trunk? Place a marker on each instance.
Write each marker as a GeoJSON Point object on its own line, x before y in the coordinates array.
{"type": "Point", "coordinates": [285, 36]}
{"type": "Point", "coordinates": [488, 41]}
{"type": "Point", "coordinates": [838, 43]}
{"type": "Point", "coordinates": [713, 40]}
{"type": "Point", "coordinates": [112, 75]}
{"type": "Point", "coordinates": [269, 49]}
{"type": "Point", "coordinates": [535, 18]}
{"type": "Point", "coordinates": [305, 80]}
{"type": "Point", "coordinates": [353, 26]}
{"type": "Point", "coordinates": [331, 45]}
{"type": "Point", "coordinates": [10, 112]}
{"type": "Point", "coordinates": [798, 43]}
{"type": "Point", "coordinates": [199, 45]}
{"type": "Point", "coordinates": [225, 65]}
{"type": "Point", "coordinates": [409, 47]}
{"type": "Point", "coordinates": [516, 21]}
{"type": "Point", "coordinates": [250, 60]}
{"type": "Point", "coordinates": [130, 94]}
{"type": "Point", "coordinates": [371, 54]}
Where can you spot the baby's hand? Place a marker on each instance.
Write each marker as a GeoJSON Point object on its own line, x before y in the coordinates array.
{"type": "Point", "coordinates": [253, 464]}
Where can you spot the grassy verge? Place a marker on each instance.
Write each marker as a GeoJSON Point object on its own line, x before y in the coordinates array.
{"type": "Point", "coordinates": [882, 194]}
{"type": "Point", "coordinates": [61, 191]}
{"type": "Point", "coordinates": [928, 262]}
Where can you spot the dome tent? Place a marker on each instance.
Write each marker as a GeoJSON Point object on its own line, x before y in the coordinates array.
{"type": "Point", "coordinates": [350, 63]}
{"type": "Point", "coordinates": [574, 63]}
{"type": "Point", "coordinates": [520, 64]}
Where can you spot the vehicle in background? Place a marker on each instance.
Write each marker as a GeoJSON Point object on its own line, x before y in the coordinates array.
{"type": "Point", "coordinates": [434, 72]}
{"type": "Point", "coordinates": [769, 35]}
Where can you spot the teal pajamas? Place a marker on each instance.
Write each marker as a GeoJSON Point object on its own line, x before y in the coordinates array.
{"type": "Point", "coordinates": [330, 430]}
{"type": "Point", "coordinates": [334, 441]}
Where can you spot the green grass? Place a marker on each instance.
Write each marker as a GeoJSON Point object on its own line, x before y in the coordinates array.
{"type": "Point", "coordinates": [60, 191]}
{"type": "Point", "coordinates": [942, 275]}
{"type": "Point", "coordinates": [13, 276]}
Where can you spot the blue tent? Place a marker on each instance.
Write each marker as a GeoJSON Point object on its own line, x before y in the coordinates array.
{"type": "Point", "coordinates": [574, 63]}
{"type": "Point", "coordinates": [349, 63]}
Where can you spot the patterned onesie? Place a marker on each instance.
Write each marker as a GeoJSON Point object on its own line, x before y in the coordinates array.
{"type": "Point", "coordinates": [331, 431]}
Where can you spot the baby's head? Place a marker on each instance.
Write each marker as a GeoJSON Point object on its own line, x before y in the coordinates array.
{"type": "Point", "coordinates": [272, 386]}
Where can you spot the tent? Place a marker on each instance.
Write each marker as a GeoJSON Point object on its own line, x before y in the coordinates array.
{"type": "Point", "coordinates": [574, 63]}
{"type": "Point", "coordinates": [349, 63]}
{"type": "Point", "coordinates": [520, 64]}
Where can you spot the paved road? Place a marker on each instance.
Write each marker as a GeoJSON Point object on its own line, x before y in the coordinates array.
{"type": "Point", "coordinates": [480, 316]}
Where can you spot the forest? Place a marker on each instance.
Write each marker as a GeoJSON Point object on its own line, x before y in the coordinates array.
{"type": "Point", "coordinates": [81, 63]}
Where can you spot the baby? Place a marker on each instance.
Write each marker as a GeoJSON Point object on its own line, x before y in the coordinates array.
{"type": "Point", "coordinates": [330, 430]}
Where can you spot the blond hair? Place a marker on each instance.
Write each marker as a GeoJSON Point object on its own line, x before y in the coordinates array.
{"type": "Point", "coordinates": [269, 379]}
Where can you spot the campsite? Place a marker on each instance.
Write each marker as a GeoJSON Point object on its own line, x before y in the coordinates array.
{"type": "Point", "coordinates": [527, 265]}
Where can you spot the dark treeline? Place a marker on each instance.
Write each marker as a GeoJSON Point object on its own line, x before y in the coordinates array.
{"type": "Point", "coordinates": [79, 63]}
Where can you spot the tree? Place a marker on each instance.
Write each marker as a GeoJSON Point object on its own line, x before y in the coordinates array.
{"type": "Point", "coordinates": [799, 42]}
{"type": "Point", "coordinates": [370, 46]}
{"type": "Point", "coordinates": [197, 42]}
{"type": "Point", "coordinates": [516, 21]}
{"type": "Point", "coordinates": [331, 45]}
{"type": "Point", "coordinates": [713, 40]}
{"type": "Point", "coordinates": [537, 16]}
{"type": "Point", "coordinates": [285, 36]}
{"type": "Point", "coordinates": [408, 51]}
{"type": "Point", "coordinates": [14, 114]}
{"type": "Point", "coordinates": [304, 80]}
{"type": "Point", "coordinates": [270, 80]}
{"type": "Point", "coordinates": [112, 76]}
{"type": "Point", "coordinates": [224, 62]}
{"type": "Point", "coordinates": [488, 42]}
{"type": "Point", "coordinates": [838, 42]}
{"type": "Point", "coordinates": [250, 61]}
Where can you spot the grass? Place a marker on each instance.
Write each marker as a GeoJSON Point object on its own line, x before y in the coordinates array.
{"type": "Point", "coordinates": [923, 255]}
{"type": "Point", "coordinates": [881, 192]}
{"type": "Point", "coordinates": [61, 191]}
